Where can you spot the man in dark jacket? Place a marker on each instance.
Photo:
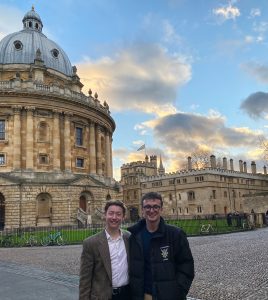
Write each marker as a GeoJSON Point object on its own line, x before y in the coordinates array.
{"type": "Point", "coordinates": [161, 263]}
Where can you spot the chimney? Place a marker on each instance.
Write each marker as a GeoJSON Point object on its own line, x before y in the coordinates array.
{"type": "Point", "coordinates": [253, 167]}
{"type": "Point", "coordinates": [224, 163]}
{"type": "Point", "coordinates": [189, 163]}
{"type": "Point", "coordinates": [241, 166]}
{"type": "Point", "coordinates": [146, 158]}
{"type": "Point", "coordinates": [231, 164]}
{"type": "Point", "coordinates": [213, 161]}
{"type": "Point", "coordinates": [245, 167]}
{"type": "Point", "coordinates": [264, 170]}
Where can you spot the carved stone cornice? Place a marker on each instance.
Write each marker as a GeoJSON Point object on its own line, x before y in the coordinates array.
{"type": "Point", "coordinates": [29, 108]}
{"type": "Point", "coordinates": [17, 109]}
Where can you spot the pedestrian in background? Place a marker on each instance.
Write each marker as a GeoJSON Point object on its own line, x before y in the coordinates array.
{"type": "Point", "coordinates": [161, 263]}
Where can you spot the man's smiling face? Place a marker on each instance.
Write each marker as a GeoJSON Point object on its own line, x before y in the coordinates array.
{"type": "Point", "coordinates": [114, 216]}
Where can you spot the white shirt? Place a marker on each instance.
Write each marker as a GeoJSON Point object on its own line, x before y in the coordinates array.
{"type": "Point", "coordinates": [119, 262]}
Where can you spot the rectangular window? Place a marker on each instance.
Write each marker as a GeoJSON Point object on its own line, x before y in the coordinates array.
{"type": "Point", "coordinates": [43, 159]}
{"type": "Point", "coordinates": [79, 136]}
{"type": "Point", "coordinates": [2, 130]}
{"type": "Point", "coordinates": [80, 162]}
{"type": "Point", "coordinates": [199, 209]}
{"type": "Point", "coordinates": [2, 159]}
{"type": "Point", "coordinates": [214, 194]}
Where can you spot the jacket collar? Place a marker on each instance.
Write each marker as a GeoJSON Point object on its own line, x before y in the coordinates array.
{"type": "Point", "coordinates": [136, 228]}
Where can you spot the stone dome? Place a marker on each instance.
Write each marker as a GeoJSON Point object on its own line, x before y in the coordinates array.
{"type": "Point", "coordinates": [22, 47]}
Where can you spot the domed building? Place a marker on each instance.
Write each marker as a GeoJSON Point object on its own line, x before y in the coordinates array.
{"type": "Point", "coordinates": [55, 141]}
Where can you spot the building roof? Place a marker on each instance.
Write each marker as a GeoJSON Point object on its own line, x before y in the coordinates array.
{"type": "Point", "coordinates": [22, 47]}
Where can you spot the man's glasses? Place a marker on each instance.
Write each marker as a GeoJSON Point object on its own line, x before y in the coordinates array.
{"type": "Point", "coordinates": [153, 207]}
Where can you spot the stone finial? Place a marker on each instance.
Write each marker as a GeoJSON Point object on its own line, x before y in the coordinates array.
{"type": "Point", "coordinates": [90, 92]}
{"type": "Point", "coordinates": [74, 69]}
{"type": "Point", "coordinates": [253, 167]}
{"type": "Point", "coordinates": [189, 163]}
{"type": "Point", "coordinates": [96, 96]}
{"type": "Point", "coordinates": [231, 164]}
{"type": "Point", "coordinates": [105, 104]}
{"type": "Point", "coordinates": [38, 54]}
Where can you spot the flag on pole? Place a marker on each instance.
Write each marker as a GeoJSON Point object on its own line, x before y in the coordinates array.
{"type": "Point", "coordinates": [141, 147]}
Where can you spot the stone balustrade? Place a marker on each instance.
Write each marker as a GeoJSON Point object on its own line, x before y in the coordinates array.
{"type": "Point", "coordinates": [36, 87]}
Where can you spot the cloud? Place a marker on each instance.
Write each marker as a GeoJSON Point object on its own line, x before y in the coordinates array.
{"type": "Point", "coordinates": [144, 77]}
{"type": "Point", "coordinates": [255, 12]}
{"type": "Point", "coordinates": [258, 71]}
{"type": "Point", "coordinates": [10, 20]}
{"type": "Point", "coordinates": [256, 105]}
{"type": "Point", "coordinates": [190, 131]}
{"type": "Point", "coordinates": [227, 12]}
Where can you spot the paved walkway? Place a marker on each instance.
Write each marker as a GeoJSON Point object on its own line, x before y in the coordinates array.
{"type": "Point", "coordinates": [228, 267]}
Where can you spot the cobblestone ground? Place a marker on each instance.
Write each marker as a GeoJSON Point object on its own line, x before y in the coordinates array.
{"type": "Point", "coordinates": [228, 267]}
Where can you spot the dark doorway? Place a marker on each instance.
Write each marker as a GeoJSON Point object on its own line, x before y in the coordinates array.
{"type": "Point", "coordinates": [83, 203]}
{"type": "Point", "coordinates": [134, 214]}
{"type": "Point", "coordinates": [2, 212]}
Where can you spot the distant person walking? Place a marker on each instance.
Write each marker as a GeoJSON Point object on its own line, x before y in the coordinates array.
{"type": "Point", "coordinates": [229, 219]}
{"type": "Point", "coordinates": [161, 262]}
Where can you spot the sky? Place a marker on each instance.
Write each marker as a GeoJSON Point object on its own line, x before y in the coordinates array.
{"type": "Point", "coordinates": [178, 75]}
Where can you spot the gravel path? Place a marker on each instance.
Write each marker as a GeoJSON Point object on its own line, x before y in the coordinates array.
{"type": "Point", "coordinates": [231, 266]}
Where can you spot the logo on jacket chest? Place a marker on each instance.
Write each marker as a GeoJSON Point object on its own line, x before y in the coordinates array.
{"type": "Point", "coordinates": [164, 252]}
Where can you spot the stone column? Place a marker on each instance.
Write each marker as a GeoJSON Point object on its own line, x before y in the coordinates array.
{"type": "Point", "coordinates": [99, 166]}
{"type": "Point", "coordinates": [108, 154]}
{"type": "Point", "coordinates": [92, 148]}
{"type": "Point", "coordinates": [29, 138]}
{"type": "Point", "coordinates": [17, 137]}
{"type": "Point", "coordinates": [67, 141]}
{"type": "Point", "coordinates": [56, 140]}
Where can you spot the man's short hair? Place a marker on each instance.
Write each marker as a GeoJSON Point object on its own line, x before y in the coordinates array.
{"type": "Point", "coordinates": [117, 203]}
{"type": "Point", "coordinates": [150, 196]}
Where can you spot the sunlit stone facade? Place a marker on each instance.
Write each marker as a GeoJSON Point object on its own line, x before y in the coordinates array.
{"type": "Point", "coordinates": [196, 192]}
{"type": "Point", "coordinates": [55, 141]}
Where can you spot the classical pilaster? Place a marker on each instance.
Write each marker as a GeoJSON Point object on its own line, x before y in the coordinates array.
{"type": "Point", "coordinates": [92, 148]}
{"type": "Point", "coordinates": [99, 164]}
{"type": "Point", "coordinates": [67, 141]}
{"type": "Point", "coordinates": [29, 138]}
{"type": "Point", "coordinates": [56, 140]}
{"type": "Point", "coordinates": [17, 137]}
{"type": "Point", "coordinates": [108, 154]}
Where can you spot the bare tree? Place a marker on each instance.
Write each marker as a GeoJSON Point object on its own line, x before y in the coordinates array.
{"type": "Point", "coordinates": [264, 148]}
{"type": "Point", "coordinates": [200, 159]}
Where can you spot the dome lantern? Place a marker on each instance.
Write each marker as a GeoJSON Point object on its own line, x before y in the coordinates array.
{"type": "Point", "coordinates": [32, 21]}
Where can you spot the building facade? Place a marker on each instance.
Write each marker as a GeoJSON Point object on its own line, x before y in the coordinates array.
{"type": "Point", "coordinates": [55, 141]}
{"type": "Point", "coordinates": [194, 192]}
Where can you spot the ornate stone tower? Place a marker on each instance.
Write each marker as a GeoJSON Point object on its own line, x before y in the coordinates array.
{"type": "Point", "coordinates": [55, 141]}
